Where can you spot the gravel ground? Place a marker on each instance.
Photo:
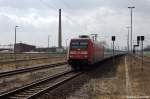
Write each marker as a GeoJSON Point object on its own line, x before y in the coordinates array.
{"type": "Point", "coordinates": [24, 64]}
{"type": "Point", "coordinates": [104, 82]}
{"type": "Point", "coordinates": [9, 83]}
{"type": "Point", "coordinates": [140, 79]}
{"type": "Point", "coordinates": [147, 58]}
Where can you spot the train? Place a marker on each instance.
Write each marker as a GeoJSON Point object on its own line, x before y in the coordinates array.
{"type": "Point", "coordinates": [84, 51]}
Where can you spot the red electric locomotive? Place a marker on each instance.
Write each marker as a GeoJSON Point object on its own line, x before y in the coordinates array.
{"type": "Point", "coordinates": [83, 51]}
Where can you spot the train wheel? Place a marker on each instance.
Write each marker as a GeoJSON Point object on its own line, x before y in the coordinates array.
{"type": "Point", "coordinates": [76, 67]}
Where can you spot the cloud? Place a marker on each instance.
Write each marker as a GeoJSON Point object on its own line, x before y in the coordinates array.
{"type": "Point", "coordinates": [38, 20]}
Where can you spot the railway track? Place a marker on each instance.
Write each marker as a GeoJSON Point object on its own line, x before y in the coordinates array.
{"type": "Point", "coordinates": [21, 60]}
{"type": "Point", "coordinates": [39, 67]}
{"type": "Point", "coordinates": [35, 68]}
{"type": "Point", "coordinates": [39, 87]}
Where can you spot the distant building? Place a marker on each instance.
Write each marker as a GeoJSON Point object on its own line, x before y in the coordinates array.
{"type": "Point", "coordinates": [6, 48]}
{"type": "Point", "coordinates": [21, 47]}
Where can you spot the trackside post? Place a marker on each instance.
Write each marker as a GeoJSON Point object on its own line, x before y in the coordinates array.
{"type": "Point", "coordinates": [113, 39]}
{"type": "Point", "coordinates": [142, 39]}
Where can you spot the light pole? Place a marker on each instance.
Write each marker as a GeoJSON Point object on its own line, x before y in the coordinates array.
{"type": "Point", "coordinates": [15, 42]}
{"type": "Point", "coordinates": [131, 26]}
{"type": "Point", "coordinates": [48, 40]}
{"type": "Point", "coordinates": [66, 48]}
{"type": "Point", "coordinates": [66, 43]}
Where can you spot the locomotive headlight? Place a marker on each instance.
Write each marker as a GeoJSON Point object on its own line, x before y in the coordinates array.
{"type": "Point", "coordinates": [71, 56]}
{"type": "Point", "coordinates": [85, 56]}
{"type": "Point", "coordinates": [84, 52]}
{"type": "Point", "coordinates": [73, 52]}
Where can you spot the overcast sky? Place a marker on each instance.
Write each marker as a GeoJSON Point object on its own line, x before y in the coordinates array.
{"type": "Point", "coordinates": [39, 18]}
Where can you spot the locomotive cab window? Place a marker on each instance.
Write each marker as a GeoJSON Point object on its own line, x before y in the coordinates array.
{"type": "Point", "coordinates": [79, 44]}
{"type": "Point", "coordinates": [83, 44]}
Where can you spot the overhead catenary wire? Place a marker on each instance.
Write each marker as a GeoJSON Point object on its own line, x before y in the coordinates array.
{"type": "Point", "coordinates": [48, 5]}
{"type": "Point", "coordinates": [54, 7]}
{"type": "Point", "coordinates": [66, 4]}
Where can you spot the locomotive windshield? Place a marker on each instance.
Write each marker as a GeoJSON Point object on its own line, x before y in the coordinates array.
{"type": "Point", "coordinates": [79, 44]}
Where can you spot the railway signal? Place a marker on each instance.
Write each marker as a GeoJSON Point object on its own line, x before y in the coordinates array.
{"type": "Point", "coordinates": [138, 39]}
{"type": "Point", "coordinates": [141, 38]}
{"type": "Point", "coordinates": [134, 50]}
{"type": "Point", "coordinates": [136, 45]}
{"type": "Point", "coordinates": [113, 39]}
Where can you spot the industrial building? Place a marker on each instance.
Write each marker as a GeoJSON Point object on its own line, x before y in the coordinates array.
{"type": "Point", "coordinates": [21, 47]}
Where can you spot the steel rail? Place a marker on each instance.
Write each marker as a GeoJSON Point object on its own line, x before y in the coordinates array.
{"type": "Point", "coordinates": [38, 67]}
{"type": "Point", "coordinates": [33, 68]}
{"type": "Point", "coordinates": [39, 87]}
{"type": "Point", "coordinates": [19, 60]}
